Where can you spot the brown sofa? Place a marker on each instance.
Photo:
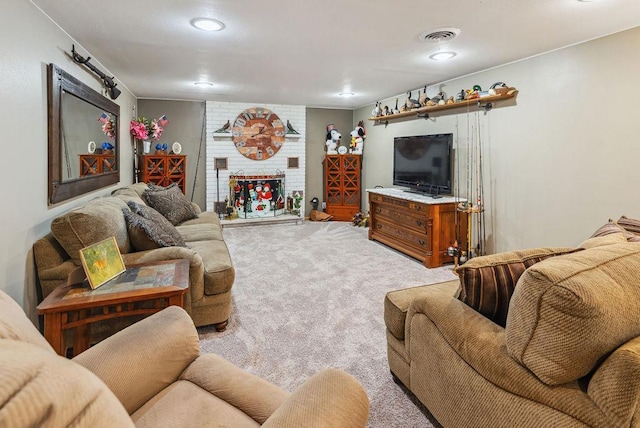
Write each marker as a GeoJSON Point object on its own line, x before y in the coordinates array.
{"type": "Point", "coordinates": [211, 272]}
{"type": "Point", "coordinates": [567, 356]}
{"type": "Point", "coordinates": [156, 378]}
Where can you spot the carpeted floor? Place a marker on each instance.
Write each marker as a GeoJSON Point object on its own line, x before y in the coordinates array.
{"type": "Point", "coordinates": [311, 296]}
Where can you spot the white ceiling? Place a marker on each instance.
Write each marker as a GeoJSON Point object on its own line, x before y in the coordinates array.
{"type": "Point", "coordinates": [307, 52]}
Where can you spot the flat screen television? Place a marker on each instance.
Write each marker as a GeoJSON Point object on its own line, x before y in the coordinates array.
{"type": "Point", "coordinates": [424, 163]}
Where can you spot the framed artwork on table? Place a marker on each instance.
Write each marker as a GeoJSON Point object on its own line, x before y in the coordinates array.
{"type": "Point", "coordinates": [102, 262]}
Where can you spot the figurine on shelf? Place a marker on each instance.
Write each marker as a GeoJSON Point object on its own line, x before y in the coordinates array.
{"type": "Point", "coordinates": [333, 139]}
{"type": "Point", "coordinates": [376, 110]}
{"type": "Point", "coordinates": [411, 103]}
{"type": "Point", "coordinates": [385, 111]}
{"type": "Point", "coordinates": [395, 110]}
{"type": "Point", "coordinates": [423, 98]}
{"type": "Point", "coordinates": [224, 128]}
{"type": "Point", "coordinates": [437, 99]}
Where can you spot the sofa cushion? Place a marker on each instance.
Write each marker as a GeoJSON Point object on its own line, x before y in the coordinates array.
{"type": "Point", "coordinates": [129, 193]}
{"type": "Point", "coordinates": [171, 203]}
{"type": "Point", "coordinates": [569, 312]}
{"type": "Point", "coordinates": [148, 229]}
{"type": "Point", "coordinates": [487, 282]}
{"type": "Point", "coordinates": [93, 222]}
{"type": "Point", "coordinates": [200, 232]}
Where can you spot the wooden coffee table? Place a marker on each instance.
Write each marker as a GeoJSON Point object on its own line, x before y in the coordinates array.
{"type": "Point", "coordinates": [142, 289]}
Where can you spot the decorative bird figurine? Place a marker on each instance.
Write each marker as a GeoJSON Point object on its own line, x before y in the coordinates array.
{"type": "Point", "coordinates": [224, 127]}
{"type": "Point", "coordinates": [423, 98]}
{"type": "Point", "coordinates": [376, 110]}
{"type": "Point", "coordinates": [385, 111]}
{"type": "Point", "coordinates": [395, 110]}
{"type": "Point", "coordinates": [290, 129]}
{"type": "Point", "coordinates": [411, 103]}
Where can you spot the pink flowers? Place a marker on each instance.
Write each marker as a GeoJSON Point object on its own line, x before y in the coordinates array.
{"type": "Point", "coordinates": [144, 129]}
{"type": "Point", "coordinates": [107, 125]}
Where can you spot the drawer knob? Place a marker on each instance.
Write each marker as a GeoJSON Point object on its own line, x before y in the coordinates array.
{"type": "Point", "coordinates": [378, 210]}
{"type": "Point", "coordinates": [419, 222]}
{"type": "Point", "coordinates": [379, 226]}
{"type": "Point", "coordinates": [421, 242]}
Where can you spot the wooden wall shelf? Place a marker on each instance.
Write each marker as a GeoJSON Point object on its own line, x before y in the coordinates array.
{"type": "Point", "coordinates": [423, 112]}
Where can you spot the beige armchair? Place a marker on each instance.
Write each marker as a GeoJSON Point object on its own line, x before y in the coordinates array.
{"type": "Point", "coordinates": [152, 374]}
{"type": "Point", "coordinates": [568, 355]}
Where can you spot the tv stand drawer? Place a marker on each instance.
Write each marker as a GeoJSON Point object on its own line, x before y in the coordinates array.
{"type": "Point", "coordinates": [401, 217]}
{"type": "Point", "coordinates": [404, 236]}
{"type": "Point", "coordinates": [410, 205]}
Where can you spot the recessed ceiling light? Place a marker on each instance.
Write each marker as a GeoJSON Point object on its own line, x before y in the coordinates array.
{"type": "Point", "coordinates": [441, 56]}
{"type": "Point", "coordinates": [346, 94]}
{"type": "Point", "coordinates": [203, 84]}
{"type": "Point", "coordinates": [207, 24]}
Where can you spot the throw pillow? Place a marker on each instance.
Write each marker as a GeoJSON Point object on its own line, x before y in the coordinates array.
{"type": "Point", "coordinates": [613, 227]}
{"type": "Point", "coordinates": [568, 313]}
{"type": "Point", "coordinates": [629, 224]}
{"type": "Point", "coordinates": [487, 282]}
{"type": "Point", "coordinates": [148, 229]}
{"type": "Point", "coordinates": [171, 203]}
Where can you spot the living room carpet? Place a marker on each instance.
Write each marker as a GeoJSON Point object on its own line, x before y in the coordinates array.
{"type": "Point", "coordinates": [310, 296]}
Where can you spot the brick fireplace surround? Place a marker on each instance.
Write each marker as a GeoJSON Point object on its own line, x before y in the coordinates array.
{"type": "Point", "coordinates": [220, 145]}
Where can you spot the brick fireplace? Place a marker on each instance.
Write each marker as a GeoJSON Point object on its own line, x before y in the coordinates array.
{"type": "Point", "coordinates": [286, 167]}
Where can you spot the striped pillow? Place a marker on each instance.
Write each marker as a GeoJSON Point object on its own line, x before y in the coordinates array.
{"type": "Point", "coordinates": [616, 227]}
{"type": "Point", "coordinates": [487, 282]}
{"type": "Point", "coordinates": [629, 224]}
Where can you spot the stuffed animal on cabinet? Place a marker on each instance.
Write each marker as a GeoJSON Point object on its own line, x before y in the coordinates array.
{"type": "Point", "coordinates": [333, 139]}
{"type": "Point", "coordinates": [357, 139]}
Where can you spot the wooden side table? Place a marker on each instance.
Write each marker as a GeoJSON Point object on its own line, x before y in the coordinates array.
{"type": "Point", "coordinates": [143, 289]}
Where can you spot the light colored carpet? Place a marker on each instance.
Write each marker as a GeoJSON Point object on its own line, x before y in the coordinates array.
{"type": "Point", "coordinates": [310, 296]}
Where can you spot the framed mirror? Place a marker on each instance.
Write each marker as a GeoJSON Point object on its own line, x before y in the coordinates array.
{"type": "Point", "coordinates": [84, 137]}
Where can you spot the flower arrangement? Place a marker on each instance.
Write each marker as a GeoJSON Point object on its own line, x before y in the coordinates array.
{"type": "Point", "coordinates": [144, 129]}
{"type": "Point", "coordinates": [108, 127]}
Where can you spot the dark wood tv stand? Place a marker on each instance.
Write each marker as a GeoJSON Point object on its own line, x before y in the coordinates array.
{"type": "Point", "coordinates": [419, 226]}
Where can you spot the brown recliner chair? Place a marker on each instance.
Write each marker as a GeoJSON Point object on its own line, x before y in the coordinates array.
{"type": "Point", "coordinates": [152, 374]}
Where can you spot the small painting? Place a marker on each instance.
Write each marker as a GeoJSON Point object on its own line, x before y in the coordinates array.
{"type": "Point", "coordinates": [102, 261]}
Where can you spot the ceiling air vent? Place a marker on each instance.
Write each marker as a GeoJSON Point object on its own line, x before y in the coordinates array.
{"type": "Point", "coordinates": [439, 34]}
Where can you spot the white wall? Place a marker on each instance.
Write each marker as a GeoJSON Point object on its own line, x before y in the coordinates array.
{"type": "Point", "coordinates": [28, 42]}
{"type": "Point", "coordinates": [559, 161]}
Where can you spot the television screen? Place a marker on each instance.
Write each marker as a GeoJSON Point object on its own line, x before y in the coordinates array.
{"type": "Point", "coordinates": [424, 163]}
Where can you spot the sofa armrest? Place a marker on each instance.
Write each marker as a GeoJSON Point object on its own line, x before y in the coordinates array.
{"type": "Point", "coordinates": [196, 266]}
{"type": "Point", "coordinates": [615, 387]}
{"type": "Point", "coordinates": [254, 396]}
{"type": "Point", "coordinates": [330, 398]}
{"type": "Point", "coordinates": [139, 361]}
{"type": "Point", "coordinates": [482, 345]}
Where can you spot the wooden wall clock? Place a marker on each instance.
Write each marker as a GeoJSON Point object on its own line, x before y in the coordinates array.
{"type": "Point", "coordinates": [258, 133]}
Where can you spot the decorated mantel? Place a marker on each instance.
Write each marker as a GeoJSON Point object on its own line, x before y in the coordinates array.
{"type": "Point", "coordinates": [255, 162]}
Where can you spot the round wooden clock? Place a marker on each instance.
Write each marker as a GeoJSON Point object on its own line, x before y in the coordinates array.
{"type": "Point", "coordinates": [258, 133]}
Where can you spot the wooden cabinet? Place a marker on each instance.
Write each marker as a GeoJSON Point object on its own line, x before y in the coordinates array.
{"type": "Point", "coordinates": [163, 169]}
{"type": "Point", "coordinates": [342, 186]}
{"type": "Point", "coordinates": [416, 225]}
{"type": "Point", "coordinates": [92, 164]}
